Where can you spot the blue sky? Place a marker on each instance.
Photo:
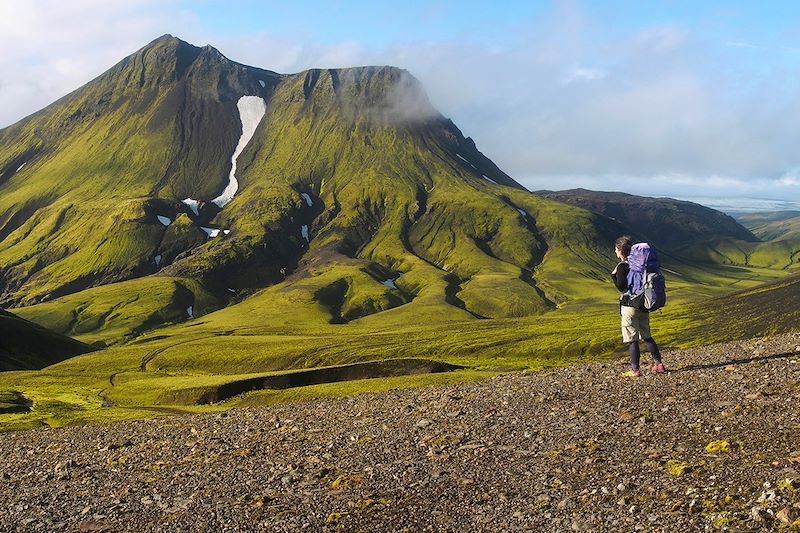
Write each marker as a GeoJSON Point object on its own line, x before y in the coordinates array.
{"type": "Point", "coordinates": [672, 98]}
{"type": "Point", "coordinates": [381, 23]}
{"type": "Point", "coordinates": [373, 23]}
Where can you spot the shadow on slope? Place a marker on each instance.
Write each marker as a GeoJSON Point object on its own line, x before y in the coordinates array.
{"type": "Point", "coordinates": [763, 310]}
{"type": "Point", "coordinates": [304, 378]}
{"type": "Point", "coordinates": [26, 346]}
{"type": "Point", "coordinates": [13, 402]}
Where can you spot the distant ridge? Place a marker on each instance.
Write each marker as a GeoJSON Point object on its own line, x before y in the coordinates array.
{"type": "Point", "coordinates": [773, 225]}
{"type": "Point", "coordinates": [665, 221]}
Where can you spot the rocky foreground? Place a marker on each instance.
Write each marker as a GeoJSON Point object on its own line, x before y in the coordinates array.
{"type": "Point", "coordinates": [714, 444]}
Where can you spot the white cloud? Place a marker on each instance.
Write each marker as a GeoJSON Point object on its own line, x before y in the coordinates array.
{"type": "Point", "coordinates": [572, 102]}
{"type": "Point", "coordinates": [577, 74]}
{"type": "Point", "coordinates": [791, 178]}
{"type": "Point", "coordinates": [49, 47]}
{"type": "Point", "coordinates": [701, 189]}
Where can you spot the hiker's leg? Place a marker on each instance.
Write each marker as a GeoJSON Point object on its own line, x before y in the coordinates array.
{"type": "Point", "coordinates": [629, 329]}
{"type": "Point", "coordinates": [652, 347]}
{"type": "Point", "coordinates": [633, 349]}
{"type": "Point", "coordinates": [644, 331]}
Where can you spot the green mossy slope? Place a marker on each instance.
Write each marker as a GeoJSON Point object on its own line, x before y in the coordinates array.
{"type": "Point", "coordinates": [783, 253]}
{"type": "Point", "coordinates": [396, 192]}
{"type": "Point", "coordinates": [366, 227]}
{"type": "Point", "coordinates": [779, 225]}
{"type": "Point", "coordinates": [121, 311]}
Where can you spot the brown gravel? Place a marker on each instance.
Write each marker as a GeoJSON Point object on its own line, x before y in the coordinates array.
{"type": "Point", "coordinates": [574, 449]}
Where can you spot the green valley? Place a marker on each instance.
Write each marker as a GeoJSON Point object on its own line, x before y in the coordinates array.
{"type": "Point", "coordinates": [219, 235]}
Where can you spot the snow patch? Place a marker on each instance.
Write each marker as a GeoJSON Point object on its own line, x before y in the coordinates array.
{"type": "Point", "coordinates": [164, 220]}
{"type": "Point", "coordinates": [157, 260]}
{"type": "Point", "coordinates": [212, 232]}
{"type": "Point", "coordinates": [304, 232]}
{"type": "Point", "coordinates": [232, 291]}
{"type": "Point", "coordinates": [307, 198]}
{"type": "Point", "coordinates": [263, 83]}
{"type": "Point", "coordinates": [189, 311]}
{"type": "Point", "coordinates": [226, 231]}
{"type": "Point", "coordinates": [390, 282]}
{"type": "Point", "coordinates": [194, 205]}
{"type": "Point", "coordinates": [251, 111]}
{"type": "Point", "coordinates": [22, 165]}
{"type": "Point", "coordinates": [467, 162]}
{"type": "Point", "coordinates": [487, 178]}
{"type": "Point", "coordinates": [522, 212]}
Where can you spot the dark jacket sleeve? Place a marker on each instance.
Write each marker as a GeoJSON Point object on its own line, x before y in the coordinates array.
{"type": "Point", "coordinates": [621, 277]}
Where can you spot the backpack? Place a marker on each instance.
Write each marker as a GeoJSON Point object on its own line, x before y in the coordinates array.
{"type": "Point", "coordinates": [646, 288]}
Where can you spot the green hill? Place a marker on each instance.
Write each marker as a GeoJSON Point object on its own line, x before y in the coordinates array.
{"type": "Point", "coordinates": [773, 225]}
{"type": "Point", "coordinates": [217, 227]}
{"type": "Point", "coordinates": [350, 180]}
{"type": "Point", "coordinates": [663, 221]}
{"type": "Point", "coordinates": [780, 254]}
{"type": "Point", "coordinates": [694, 233]}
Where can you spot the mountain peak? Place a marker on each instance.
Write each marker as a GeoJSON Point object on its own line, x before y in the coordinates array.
{"type": "Point", "coordinates": [166, 42]}
{"type": "Point", "coordinates": [175, 125]}
{"type": "Point", "coordinates": [211, 51]}
{"type": "Point", "coordinates": [167, 37]}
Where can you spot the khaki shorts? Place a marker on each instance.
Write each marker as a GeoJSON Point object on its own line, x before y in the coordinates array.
{"type": "Point", "coordinates": [635, 324]}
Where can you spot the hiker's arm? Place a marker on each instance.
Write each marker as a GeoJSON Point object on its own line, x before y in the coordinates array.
{"type": "Point", "coordinates": [620, 276]}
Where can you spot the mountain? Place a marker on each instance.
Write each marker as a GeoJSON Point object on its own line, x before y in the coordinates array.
{"type": "Point", "coordinates": [24, 345]}
{"type": "Point", "coordinates": [183, 181]}
{"type": "Point", "coordinates": [773, 225]}
{"type": "Point", "coordinates": [215, 229]}
{"type": "Point", "coordinates": [663, 221]}
{"type": "Point", "coordinates": [689, 232]}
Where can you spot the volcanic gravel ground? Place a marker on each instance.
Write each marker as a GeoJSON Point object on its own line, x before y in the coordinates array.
{"type": "Point", "coordinates": [715, 443]}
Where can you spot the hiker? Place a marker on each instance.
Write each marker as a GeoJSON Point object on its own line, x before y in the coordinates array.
{"type": "Point", "coordinates": [635, 321]}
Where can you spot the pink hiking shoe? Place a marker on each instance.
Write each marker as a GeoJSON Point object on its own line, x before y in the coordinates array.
{"type": "Point", "coordinates": [658, 369]}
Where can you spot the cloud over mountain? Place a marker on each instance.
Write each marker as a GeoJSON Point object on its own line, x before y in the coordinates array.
{"type": "Point", "coordinates": [566, 99]}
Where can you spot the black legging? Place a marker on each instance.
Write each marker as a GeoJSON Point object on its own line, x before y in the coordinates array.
{"type": "Point", "coordinates": [651, 346]}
